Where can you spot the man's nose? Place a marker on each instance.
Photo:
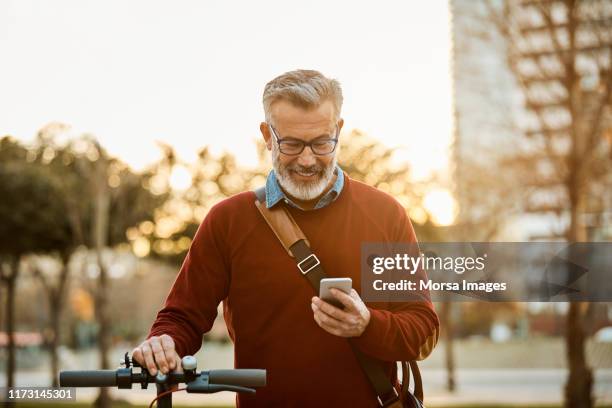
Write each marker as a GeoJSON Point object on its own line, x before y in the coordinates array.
{"type": "Point", "coordinates": [307, 157]}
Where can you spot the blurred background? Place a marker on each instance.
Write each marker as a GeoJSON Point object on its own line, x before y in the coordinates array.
{"type": "Point", "coordinates": [121, 124]}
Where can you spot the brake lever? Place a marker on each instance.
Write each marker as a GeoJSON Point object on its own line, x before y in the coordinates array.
{"type": "Point", "coordinates": [202, 385]}
{"type": "Point", "coordinates": [197, 387]}
{"type": "Point", "coordinates": [233, 388]}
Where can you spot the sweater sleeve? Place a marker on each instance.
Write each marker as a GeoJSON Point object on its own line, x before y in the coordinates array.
{"type": "Point", "coordinates": [201, 284]}
{"type": "Point", "coordinates": [401, 331]}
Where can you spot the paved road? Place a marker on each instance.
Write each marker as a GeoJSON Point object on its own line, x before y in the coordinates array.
{"type": "Point", "coordinates": [482, 386]}
{"type": "Point", "coordinates": [509, 386]}
{"type": "Point", "coordinates": [474, 385]}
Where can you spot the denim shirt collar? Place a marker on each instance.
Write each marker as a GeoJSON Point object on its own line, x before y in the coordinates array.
{"type": "Point", "coordinates": [274, 193]}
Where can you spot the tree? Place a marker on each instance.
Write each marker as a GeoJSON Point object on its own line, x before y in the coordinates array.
{"type": "Point", "coordinates": [559, 52]}
{"type": "Point", "coordinates": [31, 221]}
{"type": "Point", "coordinates": [55, 288]}
{"type": "Point", "coordinates": [168, 235]}
{"type": "Point", "coordinates": [368, 160]}
{"type": "Point", "coordinates": [97, 199]}
{"type": "Point", "coordinates": [102, 197]}
{"type": "Point", "coordinates": [213, 178]}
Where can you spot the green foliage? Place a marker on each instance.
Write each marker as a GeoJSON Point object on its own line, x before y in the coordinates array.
{"type": "Point", "coordinates": [131, 203]}
{"type": "Point", "coordinates": [32, 208]}
{"type": "Point", "coordinates": [81, 168]}
{"type": "Point", "coordinates": [48, 194]}
{"type": "Point", "coordinates": [214, 178]}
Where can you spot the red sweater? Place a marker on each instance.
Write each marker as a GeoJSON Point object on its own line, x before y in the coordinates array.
{"type": "Point", "coordinates": [236, 258]}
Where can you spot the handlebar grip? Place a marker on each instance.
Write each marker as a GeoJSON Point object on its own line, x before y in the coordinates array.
{"type": "Point", "coordinates": [246, 377]}
{"type": "Point", "coordinates": [88, 378]}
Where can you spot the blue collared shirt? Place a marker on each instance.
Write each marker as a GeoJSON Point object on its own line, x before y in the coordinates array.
{"type": "Point", "coordinates": [274, 193]}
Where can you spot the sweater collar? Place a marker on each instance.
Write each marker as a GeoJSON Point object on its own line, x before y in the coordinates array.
{"type": "Point", "coordinates": [274, 193]}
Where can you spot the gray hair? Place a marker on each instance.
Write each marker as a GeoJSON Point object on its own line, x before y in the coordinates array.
{"type": "Point", "coordinates": [303, 88]}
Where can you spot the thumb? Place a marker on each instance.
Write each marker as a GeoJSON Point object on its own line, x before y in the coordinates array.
{"type": "Point", "coordinates": [343, 298]}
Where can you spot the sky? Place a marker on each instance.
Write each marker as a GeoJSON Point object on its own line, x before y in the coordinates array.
{"type": "Point", "coordinates": [191, 73]}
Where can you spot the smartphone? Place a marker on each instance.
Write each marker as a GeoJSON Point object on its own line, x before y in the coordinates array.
{"type": "Point", "coordinates": [343, 284]}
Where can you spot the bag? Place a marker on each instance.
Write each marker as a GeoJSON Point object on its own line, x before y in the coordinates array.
{"type": "Point", "coordinates": [410, 400]}
{"type": "Point", "coordinates": [297, 246]}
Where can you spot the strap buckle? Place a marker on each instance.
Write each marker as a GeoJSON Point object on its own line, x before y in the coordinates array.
{"type": "Point", "coordinates": [388, 401]}
{"type": "Point", "coordinates": [310, 258]}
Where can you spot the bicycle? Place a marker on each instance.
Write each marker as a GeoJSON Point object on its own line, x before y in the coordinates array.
{"type": "Point", "coordinates": [204, 382]}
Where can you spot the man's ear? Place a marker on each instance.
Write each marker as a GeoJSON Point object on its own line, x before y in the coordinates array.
{"type": "Point", "coordinates": [340, 124]}
{"type": "Point", "coordinates": [265, 132]}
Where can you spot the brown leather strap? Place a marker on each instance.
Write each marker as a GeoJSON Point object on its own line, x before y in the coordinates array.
{"type": "Point", "coordinates": [418, 381]}
{"type": "Point", "coordinates": [293, 240]}
{"type": "Point", "coordinates": [283, 225]}
{"type": "Point", "coordinates": [405, 377]}
{"type": "Point", "coordinates": [407, 367]}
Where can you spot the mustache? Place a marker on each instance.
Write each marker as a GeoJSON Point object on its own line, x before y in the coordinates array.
{"type": "Point", "coordinates": [315, 168]}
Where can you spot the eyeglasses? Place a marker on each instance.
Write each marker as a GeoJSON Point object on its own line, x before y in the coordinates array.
{"type": "Point", "coordinates": [293, 147]}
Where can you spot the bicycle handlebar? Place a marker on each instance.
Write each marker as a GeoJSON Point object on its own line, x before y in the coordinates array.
{"type": "Point", "coordinates": [237, 380]}
{"type": "Point", "coordinates": [246, 377]}
{"type": "Point", "coordinates": [88, 378]}
{"type": "Point", "coordinates": [109, 378]}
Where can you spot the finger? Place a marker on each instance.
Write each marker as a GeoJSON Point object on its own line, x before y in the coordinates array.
{"type": "Point", "coordinates": [345, 299]}
{"type": "Point", "coordinates": [355, 296]}
{"type": "Point", "coordinates": [331, 310]}
{"type": "Point", "coordinates": [327, 328]}
{"type": "Point", "coordinates": [343, 318]}
{"type": "Point", "coordinates": [324, 317]}
{"type": "Point", "coordinates": [171, 355]}
{"type": "Point", "coordinates": [149, 362]}
{"type": "Point", "coordinates": [159, 355]}
{"type": "Point", "coordinates": [360, 305]}
{"type": "Point", "coordinates": [137, 356]}
{"type": "Point", "coordinates": [329, 321]}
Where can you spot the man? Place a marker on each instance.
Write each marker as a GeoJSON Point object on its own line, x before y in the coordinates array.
{"type": "Point", "coordinates": [273, 316]}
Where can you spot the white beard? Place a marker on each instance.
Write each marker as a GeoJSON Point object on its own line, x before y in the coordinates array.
{"type": "Point", "coordinates": [302, 190]}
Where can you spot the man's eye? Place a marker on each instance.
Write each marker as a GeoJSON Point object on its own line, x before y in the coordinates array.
{"type": "Point", "coordinates": [292, 144]}
{"type": "Point", "coordinates": [322, 143]}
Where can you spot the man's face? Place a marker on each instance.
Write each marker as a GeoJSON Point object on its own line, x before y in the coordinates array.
{"type": "Point", "coordinates": [307, 175]}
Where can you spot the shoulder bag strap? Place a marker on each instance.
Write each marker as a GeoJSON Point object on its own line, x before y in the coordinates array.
{"type": "Point", "coordinates": [293, 240]}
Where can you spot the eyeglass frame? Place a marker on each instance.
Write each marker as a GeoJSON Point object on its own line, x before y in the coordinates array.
{"type": "Point", "coordinates": [304, 144]}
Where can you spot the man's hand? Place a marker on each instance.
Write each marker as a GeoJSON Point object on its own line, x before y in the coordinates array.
{"type": "Point", "coordinates": [158, 353]}
{"type": "Point", "coordinates": [350, 322]}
